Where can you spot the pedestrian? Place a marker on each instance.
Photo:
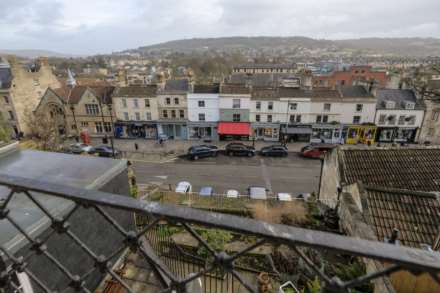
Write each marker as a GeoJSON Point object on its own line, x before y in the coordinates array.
{"type": "Point", "coordinates": [136, 146]}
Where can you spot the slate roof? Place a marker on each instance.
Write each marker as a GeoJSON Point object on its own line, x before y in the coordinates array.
{"type": "Point", "coordinates": [176, 85]}
{"type": "Point", "coordinates": [398, 96]}
{"type": "Point", "coordinates": [136, 91]}
{"type": "Point", "coordinates": [415, 214]}
{"type": "Point", "coordinates": [354, 91]}
{"type": "Point", "coordinates": [258, 79]}
{"type": "Point", "coordinates": [406, 168]}
{"type": "Point", "coordinates": [104, 93]}
{"type": "Point", "coordinates": [234, 89]}
{"type": "Point", "coordinates": [207, 88]}
{"type": "Point", "coordinates": [265, 94]}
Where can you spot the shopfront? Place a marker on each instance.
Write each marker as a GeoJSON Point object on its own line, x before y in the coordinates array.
{"type": "Point", "coordinates": [205, 131]}
{"type": "Point", "coordinates": [135, 130]}
{"type": "Point", "coordinates": [364, 134]}
{"type": "Point", "coordinates": [266, 131]}
{"type": "Point", "coordinates": [172, 130]}
{"type": "Point", "coordinates": [326, 133]}
{"type": "Point", "coordinates": [396, 134]}
{"type": "Point", "coordinates": [234, 130]}
{"type": "Point", "coordinates": [296, 133]}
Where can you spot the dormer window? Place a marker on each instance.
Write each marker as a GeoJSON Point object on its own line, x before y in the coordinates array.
{"type": "Point", "coordinates": [410, 105]}
{"type": "Point", "coordinates": [390, 104]}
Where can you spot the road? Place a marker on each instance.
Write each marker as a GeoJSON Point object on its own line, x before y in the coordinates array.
{"type": "Point", "coordinates": [292, 174]}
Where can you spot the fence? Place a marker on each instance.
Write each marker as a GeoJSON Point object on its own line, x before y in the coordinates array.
{"type": "Point", "coordinates": [224, 262]}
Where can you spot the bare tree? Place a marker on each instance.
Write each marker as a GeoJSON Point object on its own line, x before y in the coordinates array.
{"type": "Point", "coordinates": [44, 129]}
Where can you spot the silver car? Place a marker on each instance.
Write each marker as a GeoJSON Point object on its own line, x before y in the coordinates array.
{"type": "Point", "coordinates": [79, 148]}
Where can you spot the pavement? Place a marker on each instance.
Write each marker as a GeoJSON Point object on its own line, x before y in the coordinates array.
{"type": "Point", "coordinates": [292, 174]}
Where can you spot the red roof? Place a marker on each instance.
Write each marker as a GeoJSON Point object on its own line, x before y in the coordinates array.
{"type": "Point", "coordinates": [234, 128]}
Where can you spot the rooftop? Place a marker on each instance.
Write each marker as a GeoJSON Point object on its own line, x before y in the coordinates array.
{"type": "Point", "coordinates": [265, 66]}
{"type": "Point", "coordinates": [177, 85]}
{"type": "Point", "coordinates": [398, 96]}
{"type": "Point", "coordinates": [405, 168]}
{"type": "Point", "coordinates": [136, 91]}
{"type": "Point", "coordinates": [415, 214]}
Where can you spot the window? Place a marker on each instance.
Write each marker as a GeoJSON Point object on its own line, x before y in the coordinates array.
{"type": "Point", "coordinates": [126, 116]}
{"type": "Point", "coordinates": [298, 118]}
{"type": "Point", "coordinates": [168, 101]}
{"type": "Point", "coordinates": [431, 132]}
{"type": "Point", "coordinates": [382, 118]}
{"type": "Point", "coordinates": [411, 120]}
{"type": "Point", "coordinates": [410, 105]}
{"type": "Point", "coordinates": [236, 103]}
{"type": "Point", "coordinates": [176, 101]}
{"type": "Point", "coordinates": [201, 117]}
{"type": "Point", "coordinates": [269, 118]}
{"type": "Point", "coordinates": [148, 115]}
{"type": "Point", "coordinates": [327, 107]}
{"type": "Point", "coordinates": [135, 103]}
{"type": "Point", "coordinates": [165, 114]}
{"type": "Point", "coordinates": [325, 118]}
{"type": "Point", "coordinates": [6, 99]}
{"type": "Point", "coordinates": [258, 105]}
{"type": "Point", "coordinates": [173, 113]}
{"type": "Point", "coordinates": [201, 104]}
{"type": "Point", "coordinates": [147, 103]}
{"type": "Point", "coordinates": [236, 117]}
{"type": "Point", "coordinates": [292, 118]}
{"type": "Point", "coordinates": [98, 126]}
{"type": "Point", "coordinates": [257, 118]}
{"type": "Point", "coordinates": [293, 106]}
{"type": "Point", "coordinates": [11, 115]}
{"type": "Point", "coordinates": [356, 119]}
{"type": "Point", "coordinates": [181, 114]}
{"type": "Point", "coordinates": [138, 116]}
{"type": "Point", "coordinates": [107, 127]}
{"type": "Point", "coordinates": [318, 119]}
{"type": "Point", "coordinates": [435, 115]}
{"type": "Point", "coordinates": [270, 106]}
{"type": "Point", "coordinates": [92, 109]}
{"type": "Point", "coordinates": [359, 107]}
{"type": "Point", "coordinates": [391, 119]}
{"type": "Point", "coordinates": [86, 124]}
{"type": "Point", "coordinates": [401, 120]}
{"type": "Point", "coordinates": [124, 103]}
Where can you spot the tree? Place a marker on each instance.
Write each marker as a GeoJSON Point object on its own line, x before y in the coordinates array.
{"type": "Point", "coordinates": [44, 130]}
{"type": "Point", "coordinates": [5, 130]}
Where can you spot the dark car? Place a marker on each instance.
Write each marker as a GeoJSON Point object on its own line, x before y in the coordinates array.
{"type": "Point", "coordinates": [274, 151]}
{"type": "Point", "coordinates": [316, 151]}
{"type": "Point", "coordinates": [200, 151]}
{"type": "Point", "coordinates": [104, 151]}
{"type": "Point", "coordinates": [239, 149]}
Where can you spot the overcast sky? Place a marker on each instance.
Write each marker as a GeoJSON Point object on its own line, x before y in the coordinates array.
{"type": "Point", "coordinates": [103, 26]}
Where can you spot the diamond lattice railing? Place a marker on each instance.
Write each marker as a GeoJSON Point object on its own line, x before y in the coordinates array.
{"type": "Point", "coordinates": [61, 252]}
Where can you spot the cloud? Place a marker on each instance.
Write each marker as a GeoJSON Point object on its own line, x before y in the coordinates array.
{"type": "Point", "coordinates": [85, 26]}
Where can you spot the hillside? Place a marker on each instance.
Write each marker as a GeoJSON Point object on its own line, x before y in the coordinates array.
{"type": "Point", "coordinates": [416, 47]}
{"type": "Point", "coordinates": [33, 53]}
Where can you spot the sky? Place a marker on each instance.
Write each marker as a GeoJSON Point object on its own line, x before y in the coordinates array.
{"type": "Point", "coordinates": [104, 26]}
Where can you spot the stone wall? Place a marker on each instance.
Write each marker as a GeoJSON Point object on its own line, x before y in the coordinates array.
{"type": "Point", "coordinates": [328, 190]}
{"type": "Point", "coordinates": [28, 88]}
{"type": "Point", "coordinates": [430, 124]}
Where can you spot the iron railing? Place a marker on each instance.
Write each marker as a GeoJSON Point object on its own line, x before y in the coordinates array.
{"type": "Point", "coordinates": [140, 241]}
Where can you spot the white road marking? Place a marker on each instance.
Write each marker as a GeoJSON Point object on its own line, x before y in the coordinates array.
{"type": "Point", "coordinates": [162, 177]}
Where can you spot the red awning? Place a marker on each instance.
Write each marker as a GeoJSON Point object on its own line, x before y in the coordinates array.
{"type": "Point", "coordinates": [234, 128]}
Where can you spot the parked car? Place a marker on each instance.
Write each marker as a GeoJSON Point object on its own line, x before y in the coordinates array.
{"type": "Point", "coordinates": [239, 149]}
{"type": "Point", "coordinates": [183, 187]}
{"type": "Point", "coordinates": [79, 148]}
{"type": "Point", "coordinates": [206, 191]}
{"type": "Point", "coordinates": [316, 151]}
{"type": "Point", "coordinates": [257, 192]}
{"type": "Point", "coordinates": [104, 151]}
{"type": "Point", "coordinates": [201, 151]}
{"type": "Point", "coordinates": [282, 196]}
{"type": "Point", "coordinates": [232, 193]}
{"type": "Point", "coordinates": [274, 151]}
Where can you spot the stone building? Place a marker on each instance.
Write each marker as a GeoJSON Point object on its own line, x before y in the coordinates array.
{"type": "Point", "coordinates": [173, 108]}
{"type": "Point", "coordinates": [7, 110]}
{"type": "Point", "coordinates": [84, 108]}
{"type": "Point", "coordinates": [430, 131]}
{"type": "Point", "coordinates": [136, 111]}
{"type": "Point", "coordinates": [28, 86]}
